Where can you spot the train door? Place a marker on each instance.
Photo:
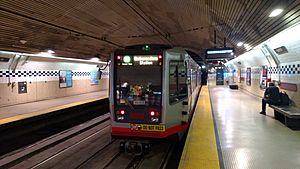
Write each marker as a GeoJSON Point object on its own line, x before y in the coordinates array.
{"type": "Point", "coordinates": [178, 90]}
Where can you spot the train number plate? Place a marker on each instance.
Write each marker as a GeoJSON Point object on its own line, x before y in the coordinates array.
{"type": "Point", "coordinates": [148, 127]}
{"type": "Point", "coordinates": [139, 102]}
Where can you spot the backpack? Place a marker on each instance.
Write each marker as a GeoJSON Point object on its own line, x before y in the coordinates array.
{"type": "Point", "coordinates": [284, 99]}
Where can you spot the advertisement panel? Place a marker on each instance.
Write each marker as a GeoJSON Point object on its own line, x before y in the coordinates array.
{"type": "Point", "coordinates": [248, 76]}
{"type": "Point", "coordinates": [219, 76]}
{"type": "Point", "coordinates": [264, 77]}
{"type": "Point", "coordinates": [239, 75]}
{"type": "Point", "coordinates": [95, 77]}
{"type": "Point", "coordinates": [65, 78]}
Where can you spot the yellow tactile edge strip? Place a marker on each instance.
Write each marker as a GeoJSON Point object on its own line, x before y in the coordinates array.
{"type": "Point", "coordinates": [200, 149]}
{"type": "Point", "coordinates": [32, 114]}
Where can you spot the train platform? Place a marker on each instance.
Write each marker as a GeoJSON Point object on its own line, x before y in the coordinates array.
{"type": "Point", "coordinates": [22, 111]}
{"type": "Point", "coordinates": [227, 131]}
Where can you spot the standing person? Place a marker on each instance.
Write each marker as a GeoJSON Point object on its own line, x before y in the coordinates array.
{"type": "Point", "coordinates": [271, 96]}
{"type": "Point", "coordinates": [204, 77]}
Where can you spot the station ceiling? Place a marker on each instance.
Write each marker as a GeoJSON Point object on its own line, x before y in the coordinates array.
{"type": "Point", "coordinates": [89, 28]}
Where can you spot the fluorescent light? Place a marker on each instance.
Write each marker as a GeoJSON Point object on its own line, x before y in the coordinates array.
{"type": "Point", "coordinates": [247, 46]}
{"type": "Point", "coordinates": [50, 51]}
{"type": "Point", "coordinates": [203, 66]}
{"type": "Point", "coordinates": [23, 41]}
{"type": "Point", "coordinates": [45, 54]}
{"type": "Point", "coordinates": [48, 55]}
{"type": "Point", "coordinates": [95, 59]}
{"type": "Point", "coordinates": [219, 52]}
{"type": "Point", "coordinates": [275, 12]}
{"type": "Point", "coordinates": [240, 44]}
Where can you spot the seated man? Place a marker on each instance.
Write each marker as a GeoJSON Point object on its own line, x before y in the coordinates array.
{"type": "Point", "coordinates": [271, 96]}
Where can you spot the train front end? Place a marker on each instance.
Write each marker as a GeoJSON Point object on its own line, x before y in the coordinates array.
{"type": "Point", "coordinates": [136, 95]}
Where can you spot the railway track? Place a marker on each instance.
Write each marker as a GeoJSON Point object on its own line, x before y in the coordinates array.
{"type": "Point", "coordinates": [85, 146]}
{"type": "Point", "coordinates": [156, 159]}
{"type": "Point", "coordinates": [88, 145]}
{"type": "Point", "coordinates": [24, 132]}
{"type": "Point", "coordinates": [61, 150]}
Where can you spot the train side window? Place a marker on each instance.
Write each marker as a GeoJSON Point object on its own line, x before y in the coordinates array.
{"type": "Point", "coordinates": [177, 81]}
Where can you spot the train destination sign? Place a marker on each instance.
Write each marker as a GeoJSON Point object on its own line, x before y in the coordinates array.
{"type": "Point", "coordinates": [145, 60]}
{"type": "Point", "coordinates": [140, 60]}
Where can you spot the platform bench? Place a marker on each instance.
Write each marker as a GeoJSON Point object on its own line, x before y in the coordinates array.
{"type": "Point", "coordinates": [288, 115]}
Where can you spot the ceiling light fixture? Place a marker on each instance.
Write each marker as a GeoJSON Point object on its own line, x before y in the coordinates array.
{"type": "Point", "coordinates": [48, 55]}
{"type": "Point", "coordinates": [45, 54]}
{"type": "Point", "coordinates": [275, 12]}
{"type": "Point", "coordinates": [50, 51]}
{"type": "Point", "coordinates": [23, 41]}
{"type": "Point", "coordinates": [247, 46]}
{"type": "Point", "coordinates": [95, 59]}
{"type": "Point", "coordinates": [240, 44]}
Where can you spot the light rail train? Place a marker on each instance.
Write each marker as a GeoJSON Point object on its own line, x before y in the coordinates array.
{"type": "Point", "coordinates": [153, 90]}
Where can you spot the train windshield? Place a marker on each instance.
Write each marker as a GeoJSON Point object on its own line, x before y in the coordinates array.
{"type": "Point", "coordinates": [138, 80]}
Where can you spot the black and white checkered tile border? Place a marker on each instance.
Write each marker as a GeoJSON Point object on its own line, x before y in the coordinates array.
{"type": "Point", "coordinates": [38, 73]}
{"type": "Point", "coordinates": [286, 69]}
{"type": "Point", "coordinates": [81, 73]}
{"type": "Point", "coordinates": [27, 73]}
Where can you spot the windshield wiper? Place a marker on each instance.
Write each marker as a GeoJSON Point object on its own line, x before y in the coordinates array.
{"type": "Point", "coordinates": [128, 103]}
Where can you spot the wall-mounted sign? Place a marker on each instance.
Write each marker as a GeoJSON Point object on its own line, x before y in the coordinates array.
{"type": "Point", "coordinates": [219, 76]}
{"type": "Point", "coordinates": [65, 78]}
{"type": "Point", "coordinates": [4, 59]}
{"type": "Point", "coordinates": [281, 50]}
{"type": "Point", "coordinates": [95, 77]}
{"type": "Point", "coordinates": [22, 86]}
{"type": "Point", "coordinates": [248, 76]}
{"type": "Point", "coordinates": [263, 77]}
{"type": "Point", "coordinates": [239, 75]}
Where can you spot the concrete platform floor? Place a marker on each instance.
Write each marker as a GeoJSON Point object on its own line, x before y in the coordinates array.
{"type": "Point", "coordinates": [21, 109]}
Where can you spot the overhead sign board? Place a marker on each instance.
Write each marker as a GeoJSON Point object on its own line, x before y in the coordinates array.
{"type": "Point", "coordinates": [220, 53]}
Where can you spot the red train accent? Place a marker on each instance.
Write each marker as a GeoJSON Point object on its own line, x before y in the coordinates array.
{"type": "Point", "coordinates": [119, 131]}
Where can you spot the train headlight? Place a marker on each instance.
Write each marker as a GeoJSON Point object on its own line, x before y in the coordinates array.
{"type": "Point", "coordinates": [122, 112]}
{"type": "Point", "coordinates": [154, 119]}
{"type": "Point", "coordinates": [120, 117]}
{"type": "Point", "coordinates": [154, 113]}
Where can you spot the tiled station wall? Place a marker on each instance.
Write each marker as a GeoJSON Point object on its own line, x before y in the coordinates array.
{"type": "Point", "coordinates": [288, 71]}
{"type": "Point", "coordinates": [43, 81]}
